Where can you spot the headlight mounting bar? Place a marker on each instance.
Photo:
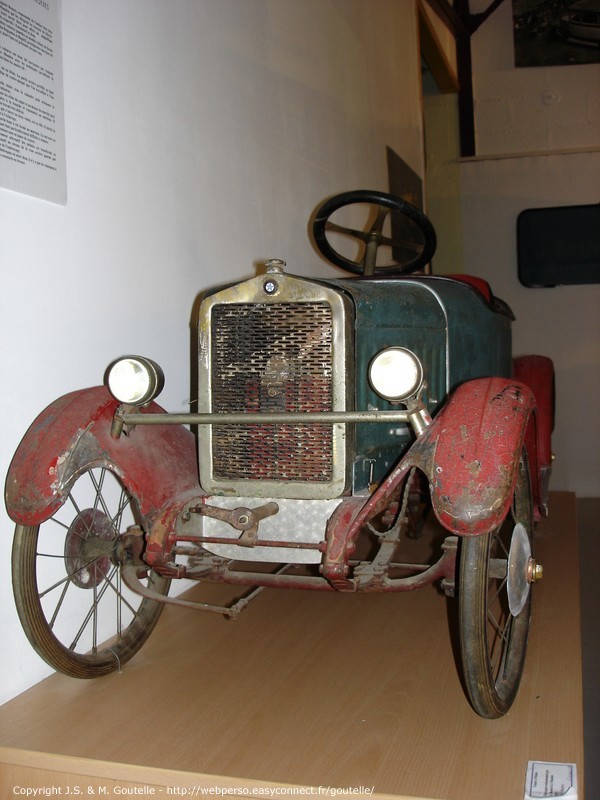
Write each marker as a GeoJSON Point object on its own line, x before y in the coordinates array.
{"type": "Point", "coordinates": [416, 414]}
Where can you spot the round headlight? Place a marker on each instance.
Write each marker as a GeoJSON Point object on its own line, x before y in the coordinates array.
{"type": "Point", "coordinates": [396, 374]}
{"type": "Point", "coordinates": [134, 380]}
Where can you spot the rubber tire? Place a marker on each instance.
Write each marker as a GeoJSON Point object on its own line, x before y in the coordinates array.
{"type": "Point", "coordinates": [492, 687]}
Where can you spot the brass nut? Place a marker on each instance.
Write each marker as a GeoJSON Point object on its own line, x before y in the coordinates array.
{"type": "Point", "coordinates": [535, 571]}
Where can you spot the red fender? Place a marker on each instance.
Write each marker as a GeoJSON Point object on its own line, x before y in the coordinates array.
{"type": "Point", "coordinates": [470, 455]}
{"type": "Point", "coordinates": [477, 441]}
{"type": "Point", "coordinates": [537, 372]}
{"type": "Point", "coordinates": [156, 464]}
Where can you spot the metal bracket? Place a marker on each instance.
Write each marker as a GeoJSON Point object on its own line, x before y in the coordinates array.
{"type": "Point", "coordinates": [241, 518]}
{"type": "Point", "coordinates": [450, 544]}
{"type": "Point", "coordinates": [129, 574]}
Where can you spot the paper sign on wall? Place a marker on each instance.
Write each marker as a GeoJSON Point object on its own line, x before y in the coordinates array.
{"type": "Point", "coordinates": [32, 137]}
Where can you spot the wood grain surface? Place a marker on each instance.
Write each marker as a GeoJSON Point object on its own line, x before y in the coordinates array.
{"type": "Point", "coordinates": [318, 690]}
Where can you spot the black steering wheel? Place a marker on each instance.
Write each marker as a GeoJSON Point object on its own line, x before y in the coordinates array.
{"type": "Point", "coordinates": [409, 253]}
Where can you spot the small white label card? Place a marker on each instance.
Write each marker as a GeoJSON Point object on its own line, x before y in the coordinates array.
{"type": "Point", "coordinates": [550, 779]}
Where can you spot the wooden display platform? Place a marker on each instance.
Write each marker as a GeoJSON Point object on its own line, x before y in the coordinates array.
{"type": "Point", "coordinates": [359, 692]}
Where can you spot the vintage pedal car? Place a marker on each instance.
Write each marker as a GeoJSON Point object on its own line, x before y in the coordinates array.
{"type": "Point", "coordinates": [331, 414]}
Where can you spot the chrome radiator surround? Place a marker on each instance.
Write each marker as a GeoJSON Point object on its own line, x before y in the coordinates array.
{"type": "Point", "coordinates": [289, 352]}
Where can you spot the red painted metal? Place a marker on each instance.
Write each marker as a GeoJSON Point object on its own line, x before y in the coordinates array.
{"type": "Point", "coordinates": [469, 455]}
{"type": "Point", "coordinates": [480, 284]}
{"type": "Point", "coordinates": [537, 372]}
{"type": "Point", "coordinates": [156, 465]}
{"type": "Point", "coordinates": [477, 440]}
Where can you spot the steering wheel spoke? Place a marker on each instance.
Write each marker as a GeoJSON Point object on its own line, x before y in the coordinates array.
{"type": "Point", "coordinates": [331, 227]}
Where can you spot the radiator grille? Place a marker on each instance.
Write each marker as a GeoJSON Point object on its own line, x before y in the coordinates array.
{"type": "Point", "coordinates": [272, 357]}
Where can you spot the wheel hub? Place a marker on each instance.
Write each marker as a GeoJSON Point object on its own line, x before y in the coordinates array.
{"type": "Point", "coordinates": [88, 548]}
{"type": "Point", "coordinates": [522, 570]}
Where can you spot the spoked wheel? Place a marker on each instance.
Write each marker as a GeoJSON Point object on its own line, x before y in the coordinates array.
{"type": "Point", "coordinates": [73, 606]}
{"type": "Point", "coordinates": [495, 576]}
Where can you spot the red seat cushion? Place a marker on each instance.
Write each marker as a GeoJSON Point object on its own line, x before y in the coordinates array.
{"type": "Point", "coordinates": [482, 286]}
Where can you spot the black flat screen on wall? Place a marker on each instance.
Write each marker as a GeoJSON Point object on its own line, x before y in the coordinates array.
{"type": "Point", "coordinates": [558, 246]}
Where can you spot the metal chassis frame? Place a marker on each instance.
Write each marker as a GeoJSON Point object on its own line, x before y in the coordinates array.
{"type": "Point", "coordinates": [344, 525]}
{"type": "Point", "coordinates": [482, 447]}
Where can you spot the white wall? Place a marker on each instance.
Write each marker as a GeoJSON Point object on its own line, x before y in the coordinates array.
{"type": "Point", "coordinates": [530, 109]}
{"type": "Point", "coordinates": [552, 114]}
{"type": "Point", "coordinates": [444, 205]}
{"type": "Point", "coordinates": [545, 111]}
{"type": "Point", "coordinates": [200, 135]}
{"type": "Point", "coordinates": [561, 322]}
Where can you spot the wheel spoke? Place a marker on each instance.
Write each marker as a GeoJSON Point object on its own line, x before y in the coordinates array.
{"type": "Point", "coordinates": [119, 590]}
{"type": "Point", "coordinates": [83, 601]}
{"type": "Point", "coordinates": [499, 654]}
{"type": "Point", "coordinates": [499, 543]}
{"type": "Point", "coordinates": [92, 612]}
{"type": "Point", "coordinates": [50, 555]}
{"type": "Point", "coordinates": [124, 502]}
{"type": "Point", "coordinates": [73, 503]}
{"type": "Point", "coordinates": [98, 484]}
{"type": "Point", "coordinates": [68, 578]}
{"type": "Point", "coordinates": [502, 631]}
{"type": "Point", "coordinates": [496, 624]}
{"type": "Point", "coordinates": [95, 620]}
{"type": "Point", "coordinates": [59, 522]}
{"type": "Point", "coordinates": [122, 600]}
{"type": "Point", "coordinates": [58, 606]}
{"type": "Point", "coordinates": [496, 596]}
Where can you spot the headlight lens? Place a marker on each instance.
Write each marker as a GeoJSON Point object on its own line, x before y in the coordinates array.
{"type": "Point", "coordinates": [134, 380]}
{"type": "Point", "coordinates": [396, 374]}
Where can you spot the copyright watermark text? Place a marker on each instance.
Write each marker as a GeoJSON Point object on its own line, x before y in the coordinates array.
{"type": "Point", "coordinates": [115, 790]}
